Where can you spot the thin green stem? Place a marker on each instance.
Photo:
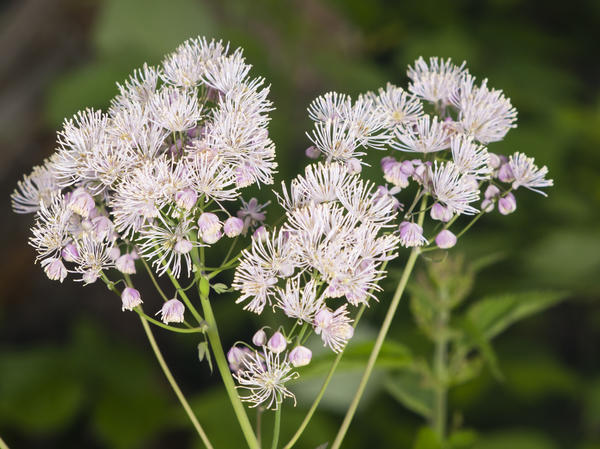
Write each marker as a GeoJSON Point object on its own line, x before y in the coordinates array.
{"type": "Point", "coordinates": [385, 327]}
{"type": "Point", "coordinates": [276, 427]}
{"type": "Point", "coordinates": [185, 298]}
{"type": "Point", "coordinates": [334, 365]}
{"type": "Point", "coordinates": [217, 348]}
{"type": "Point", "coordinates": [471, 223]}
{"type": "Point", "coordinates": [440, 360]}
{"type": "Point", "coordinates": [3, 445]}
{"type": "Point", "coordinates": [191, 330]}
{"type": "Point", "coordinates": [154, 281]}
{"type": "Point", "coordinates": [174, 386]}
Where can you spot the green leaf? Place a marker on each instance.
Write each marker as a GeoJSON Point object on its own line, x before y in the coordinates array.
{"type": "Point", "coordinates": [427, 438]}
{"type": "Point", "coordinates": [493, 315]}
{"type": "Point", "coordinates": [220, 288]}
{"type": "Point", "coordinates": [204, 353]}
{"type": "Point", "coordinates": [410, 390]}
{"type": "Point", "coordinates": [484, 346]}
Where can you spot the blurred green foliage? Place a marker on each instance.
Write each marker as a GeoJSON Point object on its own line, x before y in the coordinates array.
{"type": "Point", "coordinates": [102, 390]}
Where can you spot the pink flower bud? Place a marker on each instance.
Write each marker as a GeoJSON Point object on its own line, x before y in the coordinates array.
{"type": "Point", "coordinates": [236, 357]}
{"type": "Point", "coordinates": [81, 202]}
{"type": "Point", "coordinates": [392, 172]}
{"type": "Point", "coordinates": [312, 152]}
{"type": "Point", "coordinates": [103, 227]}
{"type": "Point", "coordinates": [261, 233]}
{"type": "Point", "coordinates": [353, 166]}
{"type": "Point", "coordinates": [186, 199]}
{"type": "Point", "coordinates": [300, 356]}
{"type": "Point", "coordinates": [125, 264]}
{"type": "Point", "coordinates": [243, 177]}
{"type": "Point", "coordinates": [491, 192]}
{"type": "Point", "coordinates": [441, 213]}
{"type": "Point", "coordinates": [411, 234]}
{"type": "Point", "coordinates": [183, 246]}
{"type": "Point", "coordinates": [90, 276]}
{"type": "Point", "coordinates": [130, 298]}
{"type": "Point", "coordinates": [172, 311]}
{"type": "Point", "coordinates": [495, 160]}
{"type": "Point", "coordinates": [505, 173]}
{"type": "Point", "coordinates": [233, 226]}
{"type": "Point", "coordinates": [277, 343]}
{"type": "Point", "coordinates": [386, 161]}
{"type": "Point", "coordinates": [445, 239]}
{"type": "Point", "coordinates": [487, 206]}
{"type": "Point", "coordinates": [69, 252]}
{"type": "Point", "coordinates": [507, 204]}
{"type": "Point", "coordinates": [259, 338]}
{"type": "Point", "coordinates": [407, 168]}
{"type": "Point", "coordinates": [54, 269]}
{"type": "Point", "coordinates": [209, 228]}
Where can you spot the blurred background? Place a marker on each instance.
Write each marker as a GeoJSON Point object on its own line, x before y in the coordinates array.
{"type": "Point", "coordinates": [76, 372]}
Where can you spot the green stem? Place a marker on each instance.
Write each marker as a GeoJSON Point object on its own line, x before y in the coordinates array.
{"type": "Point", "coordinates": [439, 411]}
{"type": "Point", "coordinates": [276, 427]}
{"type": "Point", "coordinates": [154, 281]}
{"type": "Point", "coordinates": [385, 327]}
{"type": "Point", "coordinates": [174, 386]}
{"type": "Point", "coordinates": [191, 330]}
{"type": "Point", "coordinates": [215, 343]}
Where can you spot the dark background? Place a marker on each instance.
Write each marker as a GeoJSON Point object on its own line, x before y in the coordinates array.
{"type": "Point", "coordinates": [76, 372]}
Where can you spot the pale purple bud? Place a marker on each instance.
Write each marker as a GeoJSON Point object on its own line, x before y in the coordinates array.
{"type": "Point", "coordinates": [392, 172]}
{"type": "Point", "coordinates": [81, 202]}
{"type": "Point", "coordinates": [233, 226]}
{"type": "Point", "coordinates": [491, 192]}
{"type": "Point", "coordinates": [243, 177]}
{"type": "Point", "coordinates": [286, 270]}
{"type": "Point", "coordinates": [261, 233]}
{"type": "Point", "coordinates": [507, 204]}
{"type": "Point", "coordinates": [183, 246]}
{"type": "Point", "coordinates": [323, 318]}
{"type": "Point", "coordinates": [125, 264]}
{"type": "Point", "coordinates": [175, 148]}
{"type": "Point", "coordinates": [419, 173]}
{"type": "Point", "coordinates": [209, 228]}
{"type": "Point", "coordinates": [441, 212]}
{"type": "Point", "coordinates": [277, 343]}
{"type": "Point", "coordinates": [172, 311]}
{"type": "Point", "coordinates": [505, 173]}
{"type": "Point", "coordinates": [353, 166]}
{"type": "Point", "coordinates": [487, 205]}
{"type": "Point", "coordinates": [494, 160]}
{"type": "Point", "coordinates": [312, 152]}
{"type": "Point", "coordinates": [386, 161]}
{"type": "Point", "coordinates": [411, 234]}
{"type": "Point", "coordinates": [186, 199]}
{"type": "Point", "coordinates": [445, 239]}
{"type": "Point", "coordinates": [407, 168]}
{"type": "Point", "coordinates": [130, 298]}
{"type": "Point", "coordinates": [54, 269]}
{"type": "Point", "coordinates": [300, 356]}
{"type": "Point", "coordinates": [236, 357]}
{"type": "Point", "coordinates": [114, 253]}
{"type": "Point", "coordinates": [90, 276]}
{"type": "Point", "coordinates": [69, 252]}
{"type": "Point", "coordinates": [103, 227]}
{"type": "Point", "coordinates": [259, 338]}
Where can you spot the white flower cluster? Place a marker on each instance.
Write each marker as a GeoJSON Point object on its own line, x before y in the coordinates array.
{"type": "Point", "coordinates": [190, 132]}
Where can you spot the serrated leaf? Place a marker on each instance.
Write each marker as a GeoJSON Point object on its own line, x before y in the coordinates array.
{"type": "Point", "coordinates": [492, 315]}
{"type": "Point", "coordinates": [484, 346]}
{"type": "Point", "coordinates": [409, 389]}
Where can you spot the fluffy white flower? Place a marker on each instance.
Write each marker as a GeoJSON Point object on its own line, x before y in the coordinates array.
{"type": "Point", "coordinates": [437, 81]}
{"type": "Point", "coordinates": [175, 109]}
{"type": "Point", "coordinates": [334, 327]}
{"type": "Point", "coordinates": [485, 114]}
{"type": "Point", "coordinates": [34, 188]}
{"type": "Point", "coordinates": [452, 188]}
{"type": "Point", "coordinates": [397, 107]}
{"type": "Point", "coordinates": [264, 376]}
{"type": "Point", "coordinates": [470, 158]}
{"type": "Point", "coordinates": [297, 302]}
{"type": "Point", "coordinates": [527, 174]}
{"type": "Point", "coordinates": [427, 135]}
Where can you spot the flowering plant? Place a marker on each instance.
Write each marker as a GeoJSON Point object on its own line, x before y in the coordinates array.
{"type": "Point", "coordinates": [150, 184]}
